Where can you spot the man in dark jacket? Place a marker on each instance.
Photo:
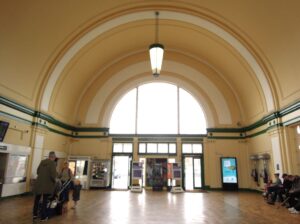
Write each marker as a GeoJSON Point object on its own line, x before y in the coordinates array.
{"type": "Point", "coordinates": [44, 185]}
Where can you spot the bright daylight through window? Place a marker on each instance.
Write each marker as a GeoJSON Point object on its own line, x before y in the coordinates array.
{"type": "Point", "coordinates": [158, 108]}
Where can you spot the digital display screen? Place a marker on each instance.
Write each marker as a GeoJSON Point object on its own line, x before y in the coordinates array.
{"type": "Point", "coordinates": [3, 128]}
{"type": "Point", "coordinates": [229, 170]}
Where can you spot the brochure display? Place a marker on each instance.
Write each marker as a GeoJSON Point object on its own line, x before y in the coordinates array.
{"type": "Point", "coordinates": [100, 173]}
{"type": "Point", "coordinates": [229, 173]}
{"type": "Point", "coordinates": [176, 174]}
{"type": "Point", "coordinates": [137, 176]}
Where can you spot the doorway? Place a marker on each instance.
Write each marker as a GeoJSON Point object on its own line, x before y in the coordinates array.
{"type": "Point", "coordinates": [192, 173]}
{"type": "Point", "coordinates": [120, 172]}
{"type": "Point", "coordinates": [80, 168]}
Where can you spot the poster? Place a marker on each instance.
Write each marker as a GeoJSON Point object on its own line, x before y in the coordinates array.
{"type": "Point", "coordinates": [137, 170]}
{"type": "Point", "coordinates": [177, 171]}
{"type": "Point", "coordinates": [229, 170]}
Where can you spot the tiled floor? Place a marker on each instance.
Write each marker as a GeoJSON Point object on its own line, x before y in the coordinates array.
{"type": "Point", "coordinates": [125, 207]}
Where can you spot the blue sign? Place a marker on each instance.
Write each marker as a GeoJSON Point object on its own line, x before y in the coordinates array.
{"type": "Point", "coordinates": [229, 170]}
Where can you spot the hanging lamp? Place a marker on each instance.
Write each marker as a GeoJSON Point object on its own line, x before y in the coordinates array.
{"type": "Point", "coordinates": [156, 51]}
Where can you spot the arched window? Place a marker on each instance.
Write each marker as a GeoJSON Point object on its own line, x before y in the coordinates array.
{"type": "Point", "coordinates": [158, 108]}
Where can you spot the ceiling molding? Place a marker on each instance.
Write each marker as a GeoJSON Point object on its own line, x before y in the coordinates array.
{"type": "Point", "coordinates": [177, 16]}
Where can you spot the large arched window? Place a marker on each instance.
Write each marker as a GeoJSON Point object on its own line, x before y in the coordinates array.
{"type": "Point", "coordinates": [158, 108]}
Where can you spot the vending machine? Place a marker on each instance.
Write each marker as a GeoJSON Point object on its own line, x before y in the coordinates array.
{"type": "Point", "coordinates": [100, 173]}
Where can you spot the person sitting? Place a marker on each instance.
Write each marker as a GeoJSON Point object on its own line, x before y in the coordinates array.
{"type": "Point", "coordinates": [295, 209]}
{"type": "Point", "coordinates": [287, 185]}
{"type": "Point", "coordinates": [294, 193]}
{"type": "Point", "coordinates": [267, 185]}
{"type": "Point", "coordinates": [273, 190]}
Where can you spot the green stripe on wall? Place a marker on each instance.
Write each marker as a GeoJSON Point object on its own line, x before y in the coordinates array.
{"type": "Point", "coordinates": [14, 117]}
{"type": "Point", "coordinates": [35, 114]}
{"type": "Point", "coordinates": [48, 118]}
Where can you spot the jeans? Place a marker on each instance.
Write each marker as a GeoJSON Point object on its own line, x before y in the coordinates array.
{"type": "Point", "coordinates": [43, 208]}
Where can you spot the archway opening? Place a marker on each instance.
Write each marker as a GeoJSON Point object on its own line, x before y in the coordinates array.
{"type": "Point", "coordinates": [158, 108]}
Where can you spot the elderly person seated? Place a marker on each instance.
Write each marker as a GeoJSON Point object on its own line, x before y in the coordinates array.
{"type": "Point", "coordinates": [274, 189]}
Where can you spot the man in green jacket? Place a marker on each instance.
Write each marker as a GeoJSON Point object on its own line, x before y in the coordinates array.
{"type": "Point", "coordinates": [44, 185]}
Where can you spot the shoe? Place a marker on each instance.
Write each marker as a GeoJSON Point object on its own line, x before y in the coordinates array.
{"type": "Point", "coordinates": [271, 202]}
{"type": "Point", "coordinates": [291, 209]}
{"type": "Point", "coordinates": [294, 212]}
{"type": "Point", "coordinates": [35, 217]}
{"type": "Point", "coordinates": [44, 220]}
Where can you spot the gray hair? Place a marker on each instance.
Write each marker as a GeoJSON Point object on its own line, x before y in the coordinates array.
{"type": "Point", "coordinates": [52, 154]}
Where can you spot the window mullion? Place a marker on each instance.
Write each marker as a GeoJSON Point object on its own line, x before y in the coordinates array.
{"type": "Point", "coordinates": [178, 111]}
{"type": "Point", "coordinates": [136, 109]}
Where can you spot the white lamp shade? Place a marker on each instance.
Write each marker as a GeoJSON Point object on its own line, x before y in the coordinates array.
{"type": "Point", "coordinates": [156, 57]}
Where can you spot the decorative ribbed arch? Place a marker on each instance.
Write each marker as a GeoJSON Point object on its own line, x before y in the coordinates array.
{"type": "Point", "coordinates": [177, 16]}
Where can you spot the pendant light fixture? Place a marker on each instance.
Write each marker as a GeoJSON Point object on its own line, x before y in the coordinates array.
{"type": "Point", "coordinates": [156, 52]}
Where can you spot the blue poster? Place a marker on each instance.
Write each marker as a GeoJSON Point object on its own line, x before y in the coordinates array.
{"type": "Point", "coordinates": [229, 170]}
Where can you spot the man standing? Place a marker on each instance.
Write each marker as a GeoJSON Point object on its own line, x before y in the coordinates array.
{"type": "Point", "coordinates": [45, 185]}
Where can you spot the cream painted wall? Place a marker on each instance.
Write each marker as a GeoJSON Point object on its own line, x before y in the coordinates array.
{"type": "Point", "coordinates": [259, 145]}
{"type": "Point", "coordinates": [293, 150]}
{"type": "Point", "coordinates": [29, 52]}
{"type": "Point", "coordinates": [56, 142]}
{"type": "Point", "coordinates": [18, 133]}
{"type": "Point", "coordinates": [214, 149]}
{"type": "Point", "coordinates": [100, 148]}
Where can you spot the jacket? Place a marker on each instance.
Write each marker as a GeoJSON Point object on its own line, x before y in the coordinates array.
{"type": "Point", "coordinates": [45, 182]}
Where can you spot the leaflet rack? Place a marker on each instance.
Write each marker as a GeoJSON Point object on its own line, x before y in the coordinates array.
{"type": "Point", "coordinates": [176, 173]}
{"type": "Point", "coordinates": [137, 177]}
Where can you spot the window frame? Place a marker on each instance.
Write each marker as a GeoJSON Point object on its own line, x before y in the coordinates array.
{"type": "Point", "coordinates": [157, 153]}
{"type": "Point", "coordinates": [178, 130]}
{"type": "Point", "coordinates": [192, 152]}
{"type": "Point", "coordinates": [122, 152]}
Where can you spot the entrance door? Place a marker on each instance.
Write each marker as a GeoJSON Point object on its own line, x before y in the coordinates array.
{"type": "Point", "coordinates": [121, 171]}
{"type": "Point", "coordinates": [192, 173]}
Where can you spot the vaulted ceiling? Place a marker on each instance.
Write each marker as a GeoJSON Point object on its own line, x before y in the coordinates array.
{"type": "Point", "coordinates": [75, 59]}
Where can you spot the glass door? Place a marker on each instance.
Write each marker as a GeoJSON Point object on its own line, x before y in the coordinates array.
{"type": "Point", "coordinates": [188, 174]}
{"type": "Point", "coordinates": [192, 173]}
{"type": "Point", "coordinates": [197, 173]}
{"type": "Point", "coordinates": [121, 172]}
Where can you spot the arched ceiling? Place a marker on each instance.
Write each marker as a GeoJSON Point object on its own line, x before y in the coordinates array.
{"type": "Point", "coordinates": [205, 43]}
{"type": "Point", "coordinates": [201, 40]}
